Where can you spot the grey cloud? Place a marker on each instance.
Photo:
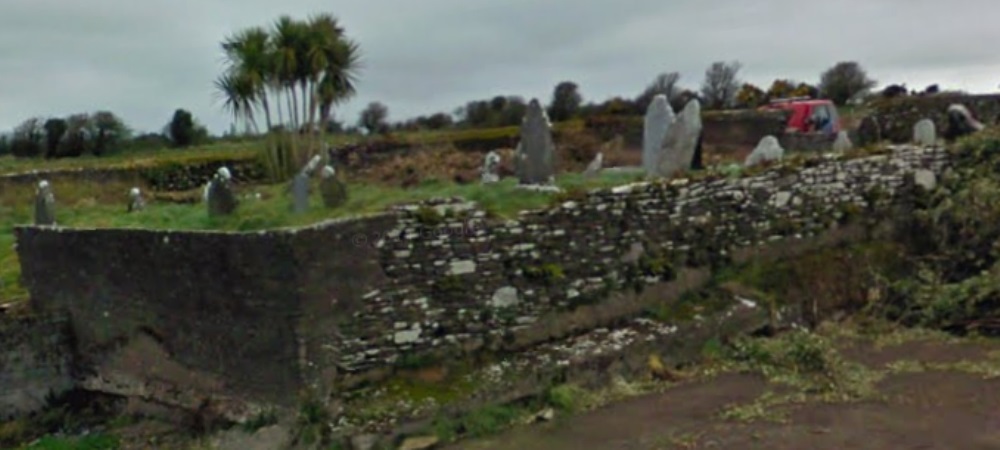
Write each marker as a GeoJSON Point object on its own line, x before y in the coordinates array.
{"type": "Point", "coordinates": [143, 59]}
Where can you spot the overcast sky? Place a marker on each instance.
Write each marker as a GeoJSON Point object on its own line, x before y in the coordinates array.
{"type": "Point", "coordinates": [144, 58]}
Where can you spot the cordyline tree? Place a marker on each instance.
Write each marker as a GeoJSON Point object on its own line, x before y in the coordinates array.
{"type": "Point", "coordinates": [295, 72]}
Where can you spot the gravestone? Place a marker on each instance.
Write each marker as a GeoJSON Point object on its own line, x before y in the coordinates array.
{"type": "Point", "coordinates": [961, 123]}
{"type": "Point", "coordinates": [659, 118]}
{"type": "Point", "coordinates": [768, 149]}
{"type": "Point", "coordinates": [536, 152]}
{"type": "Point", "coordinates": [490, 166]}
{"type": "Point", "coordinates": [45, 204]}
{"type": "Point", "coordinates": [924, 133]}
{"type": "Point", "coordinates": [135, 200]}
{"type": "Point", "coordinates": [219, 194]}
{"type": "Point", "coordinates": [842, 143]}
{"type": "Point", "coordinates": [696, 162]}
{"type": "Point", "coordinates": [300, 192]}
{"type": "Point", "coordinates": [595, 166]}
{"type": "Point", "coordinates": [333, 191]}
{"type": "Point", "coordinates": [869, 131]}
{"type": "Point", "coordinates": [312, 165]}
{"type": "Point", "coordinates": [680, 145]}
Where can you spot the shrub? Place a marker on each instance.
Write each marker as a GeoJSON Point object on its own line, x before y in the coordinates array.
{"type": "Point", "coordinates": [283, 156]}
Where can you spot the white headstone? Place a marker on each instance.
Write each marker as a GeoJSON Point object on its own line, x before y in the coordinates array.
{"type": "Point", "coordinates": [135, 200]}
{"type": "Point", "coordinates": [536, 152]}
{"type": "Point", "coordinates": [768, 149]}
{"type": "Point", "coordinates": [925, 133]}
{"type": "Point", "coordinates": [679, 146]}
{"type": "Point", "coordinates": [842, 143]}
{"type": "Point", "coordinates": [312, 165]}
{"type": "Point", "coordinates": [659, 118]}
{"type": "Point", "coordinates": [45, 204]}
{"type": "Point", "coordinates": [490, 165]}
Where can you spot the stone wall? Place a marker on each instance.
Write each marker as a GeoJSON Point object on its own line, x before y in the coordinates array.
{"type": "Point", "coordinates": [264, 314]}
{"type": "Point", "coordinates": [35, 363]}
{"type": "Point", "coordinates": [897, 116]}
{"type": "Point", "coordinates": [163, 177]}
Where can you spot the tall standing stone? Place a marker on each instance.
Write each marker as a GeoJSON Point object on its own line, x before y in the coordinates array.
{"type": "Point", "coordinates": [300, 193]}
{"type": "Point", "coordinates": [768, 149]}
{"type": "Point", "coordinates": [678, 151]}
{"type": "Point", "coordinates": [536, 152]}
{"type": "Point", "coordinates": [45, 204]}
{"type": "Point", "coordinates": [925, 133]}
{"type": "Point", "coordinates": [842, 143]}
{"type": "Point", "coordinates": [332, 190]}
{"type": "Point", "coordinates": [219, 194]}
{"type": "Point", "coordinates": [659, 118]}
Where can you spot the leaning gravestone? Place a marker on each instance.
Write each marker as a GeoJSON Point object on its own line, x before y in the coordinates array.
{"type": "Point", "coordinates": [678, 150]}
{"type": "Point", "coordinates": [135, 200]}
{"type": "Point", "coordinates": [312, 165]}
{"type": "Point", "coordinates": [768, 149]}
{"type": "Point", "coordinates": [219, 194]}
{"type": "Point", "coordinates": [490, 165]}
{"type": "Point", "coordinates": [961, 123]}
{"type": "Point", "coordinates": [595, 166]}
{"type": "Point", "coordinates": [536, 152]}
{"type": "Point", "coordinates": [659, 118]}
{"type": "Point", "coordinates": [332, 190]}
{"type": "Point", "coordinates": [924, 133]}
{"type": "Point", "coordinates": [45, 204]}
{"type": "Point", "coordinates": [842, 143]}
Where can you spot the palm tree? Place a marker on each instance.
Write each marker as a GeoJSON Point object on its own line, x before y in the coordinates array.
{"type": "Point", "coordinates": [312, 62]}
{"type": "Point", "coordinates": [249, 59]}
{"type": "Point", "coordinates": [237, 93]}
{"type": "Point", "coordinates": [333, 62]}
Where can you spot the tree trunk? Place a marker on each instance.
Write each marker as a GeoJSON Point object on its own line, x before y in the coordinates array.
{"type": "Point", "coordinates": [281, 116]}
{"type": "Point", "coordinates": [267, 109]}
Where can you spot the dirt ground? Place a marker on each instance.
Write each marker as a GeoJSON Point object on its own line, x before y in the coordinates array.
{"type": "Point", "coordinates": [952, 405]}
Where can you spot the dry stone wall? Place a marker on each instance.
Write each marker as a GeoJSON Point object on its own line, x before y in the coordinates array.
{"type": "Point", "coordinates": [467, 280]}
{"type": "Point", "coordinates": [268, 313]}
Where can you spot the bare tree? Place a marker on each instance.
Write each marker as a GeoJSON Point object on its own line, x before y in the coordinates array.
{"type": "Point", "coordinates": [843, 81]}
{"type": "Point", "coordinates": [664, 83]}
{"type": "Point", "coordinates": [718, 91]}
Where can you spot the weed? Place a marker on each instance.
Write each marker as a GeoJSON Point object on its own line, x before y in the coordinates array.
{"type": "Point", "coordinates": [548, 273]}
{"type": "Point", "coordinates": [428, 216]}
{"type": "Point", "coordinates": [569, 398]}
{"type": "Point", "coordinates": [261, 420]}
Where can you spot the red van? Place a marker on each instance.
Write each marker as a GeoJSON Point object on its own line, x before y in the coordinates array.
{"type": "Point", "coordinates": [808, 115]}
